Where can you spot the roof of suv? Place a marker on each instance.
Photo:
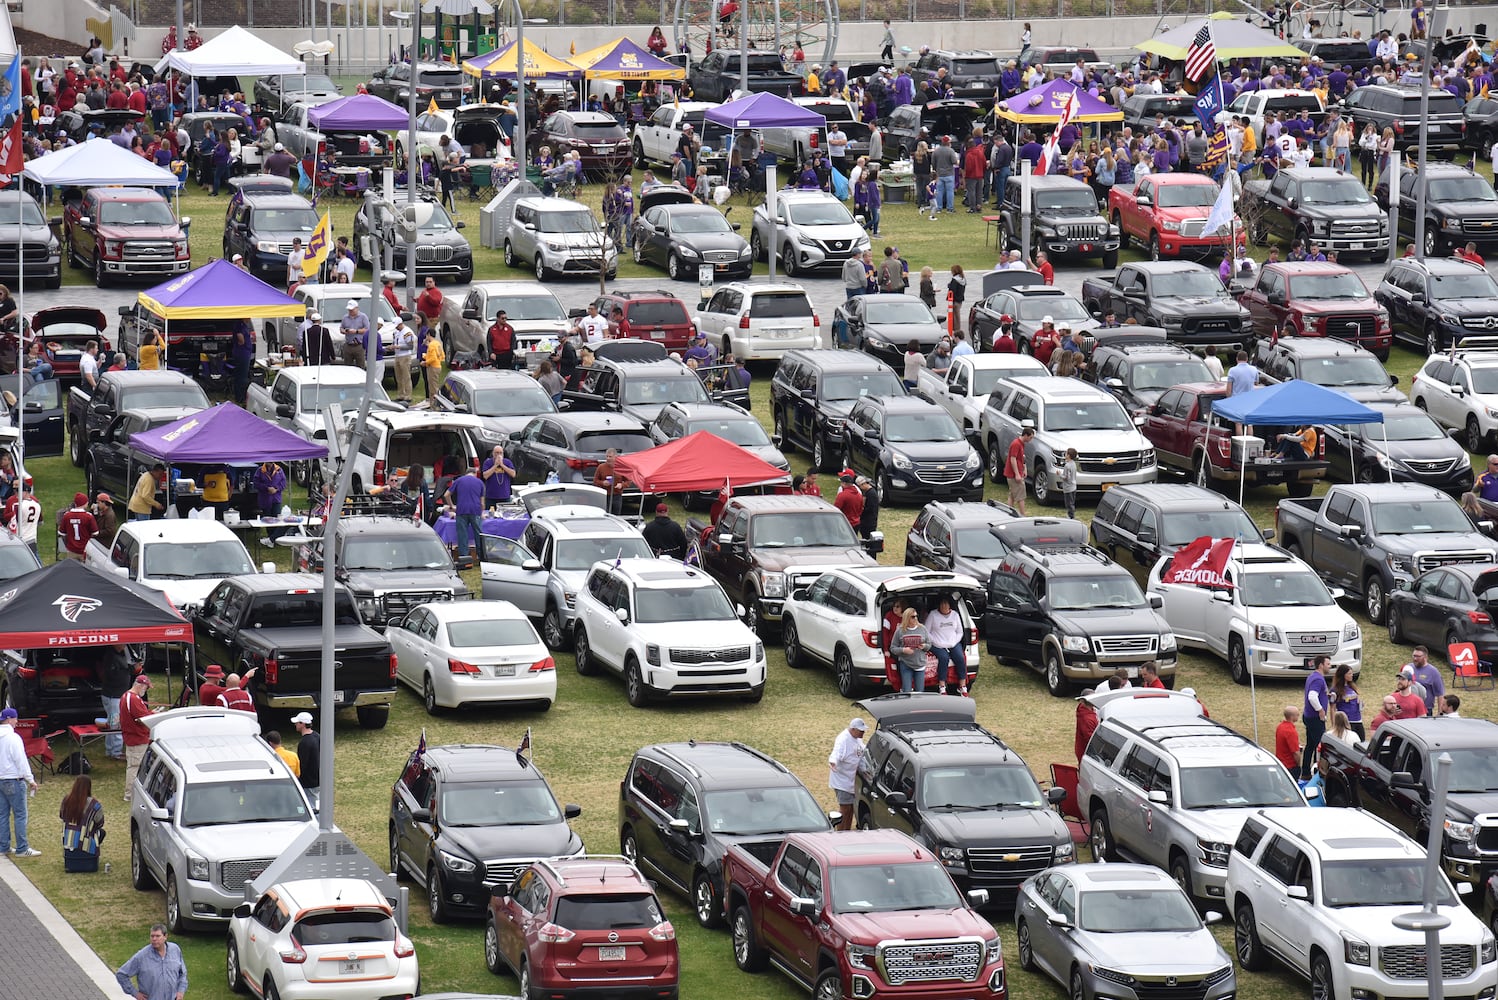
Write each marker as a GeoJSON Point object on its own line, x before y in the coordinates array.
{"type": "Point", "coordinates": [659, 573]}
{"type": "Point", "coordinates": [1066, 560]}
{"type": "Point", "coordinates": [1153, 348]}
{"type": "Point", "coordinates": [582, 522]}
{"type": "Point", "coordinates": [901, 404]}
{"type": "Point", "coordinates": [1043, 181]}
{"type": "Point", "coordinates": [1197, 742]}
{"type": "Point", "coordinates": [310, 894]}
{"type": "Point", "coordinates": [1440, 265]}
{"type": "Point", "coordinates": [1177, 496]}
{"type": "Point", "coordinates": [275, 199]}
{"type": "Point", "coordinates": [595, 875]}
{"type": "Point", "coordinates": [1049, 392]}
{"type": "Point", "coordinates": [659, 293]}
{"type": "Point", "coordinates": [1461, 732]}
{"type": "Point", "coordinates": [1342, 834]}
{"type": "Point", "coordinates": [778, 503]}
{"type": "Point", "coordinates": [477, 762]}
{"type": "Point", "coordinates": [967, 53]}
{"type": "Point", "coordinates": [125, 194]}
{"type": "Point", "coordinates": [710, 411]}
{"type": "Point", "coordinates": [965, 512]}
{"type": "Point", "coordinates": [755, 287]}
{"type": "Point", "coordinates": [1317, 347]}
{"type": "Point", "coordinates": [1319, 173]}
{"type": "Point", "coordinates": [730, 765]}
{"type": "Point", "coordinates": [399, 420]}
{"type": "Point", "coordinates": [374, 525]}
{"type": "Point", "coordinates": [828, 360]}
{"type": "Point", "coordinates": [1291, 268]}
{"type": "Point", "coordinates": [790, 196]}
{"type": "Point", "coordinates": [596, 420]}
{"type": "Point", "coordinates": [481, 378]}
{"type": "Point", "coordinates": [946, 742]}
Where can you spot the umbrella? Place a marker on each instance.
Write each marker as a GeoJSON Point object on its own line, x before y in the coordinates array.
{"type": "Point", "coordinates": [1231, 38]}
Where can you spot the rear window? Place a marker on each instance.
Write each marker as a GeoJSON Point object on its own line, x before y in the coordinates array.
{"type": "Point", "coordinates": [773, 305]}
{"type": "Point", "coordinates": [344, 928]}
{"type": "Point", "coordinates": [974, 67]}
{"type": "Point", "coordinates": [1349, 52]}
{"type": "Point", "coordinates": [602, 913]}
{"type": "Point", "coordinates": [622, 441]}
{"type": "Point", "coordinates": [1441, 103]}
{"type": "Point", "coordinates": [665, 313]}
{"type": "Point", "coordinates": [1293, 103]}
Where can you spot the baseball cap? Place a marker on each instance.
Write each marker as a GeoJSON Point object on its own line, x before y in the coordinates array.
{"type": "Point", "coordinates": [142, 679]}
{"type": "Point", "coordinates": [305, 718]}
{"type": "Point", "coordinates": [280, 148]}
{"type": "Point", "coordinates": [1006, 318]}
{"type": "Point", "coordinates": [238, 256]}
{"type": "Point", "coordinates": [859, 725]}
{"type": "Point", "coordinates": [9, 713]}
{"type": "Point", "coordinates": [1047, 321]}
{"type": "Point", "coordinates": [351, 304]}
{"type": "Point", "coordinates": [315, 317]}
{"type": "Point", "coordinates": [846, 477]}
{"type": "Point", "coordinates": [661, 508]}
{"type": "Point", "coordinates": [104, 498]}
{"type": "Point", "coordinates": [1407, 671]}
{"type": "Point", "coordinates": [79, 499]}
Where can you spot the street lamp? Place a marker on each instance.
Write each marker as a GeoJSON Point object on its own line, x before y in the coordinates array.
{"type": "Point", "coordinates": [1428, 920]}
{"type": "Point", "coordinates": [517, 141]}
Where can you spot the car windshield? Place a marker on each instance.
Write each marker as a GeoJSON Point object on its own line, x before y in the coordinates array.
{"type": "Point", "coordinates": [524, 308]}
{"type": "Point", "coordinates": [682, 604]}
{"type": "Point", "coordinates": [1284, 589]}
{"type": "Point", "coordinates": [979, 787]}
{"type": "Point", "coordinates": [1189, 283]}
{"type": "Point", "coordinates": [1187, 195]}
{"type": "Point", "coordinates": [424, 551]}
{"type": "Point", "coordinates": [439, 222]}
{"type": "Point", "coordinates": [1126, 911]}
{"type": "Point", "coordinates": [1380, 882]}
{"type": "Point", "coordinates": [284, 220]}
{"type": "Point", "coordinates": [580, 221]}
{"type": "Point", "coordinates": [16, 560]}
{"type": "Point", "coordinates": [316, 398]}
{"type": "Point", "coordinates": [1099, 416]}
{"type": "Point", "coordinates": [913, 427]}
{"type": "Point", "coordinates": [1085, 593]}
{"type": "Point", "coordinates": [1422, 517]}
{"type": "Point", "coordinates": [750, 812]}
{"type": "Point", "coordinates": [1461, 189]}
{"type": "Point", "coordinates": [745, 433]}
{"type": "Point", "coordinates": [1069, 201]}
{"type": "Point", "coordinates": [581, 553]}
{"type": "Point", "coordinates": [882, 383]}
{"type": "Point", "coordinates": [1181, 527]}
{"type": "Point", "coordinates": [491, 632]}
{"type": "Point", "coordinates": [1157, 376]}
{"type": "Point", "coordinates": [779, 305]}
{"type": "Point", "coordinates": [1350, 371]}
{"type": "Point", "coordinates": [232, 803]}
{"type": "Point", "coordinates": [303, 610]}
{"type": "Point", "coordinates": [1473, 770]}
{"type": "Point", "coordinates": [608, 912]}
{"type": "Point", "coordinates": [909, 885]}
{"type": "Point", "coordinates": [978, 543]}
{"type": "Point", "coordinates": [698, 221]}
{"type": "Point", "coordinates": [167, 396]}
{"type": "Point", "coordinates": [1330, 192]}
{"type": "Point", "coordinates": [147, 212]}
{"type": "Point", "coordinates": [659, 391]}
{"type": "Point", "coordinates": [198, 561]}
{"type": "Point", "coordinates": [498, 803]}
{"type": "Point", "coordinates": [22, 210]}
{"type": "Point", "coordinates": [1405, 424]}
{"type": "Point", "coordinates": [820, 213]}
{"type": "Point", "coordinates": [1475, 284]}
{"type": "Point", "coordinates": [344, 928]}
{"type": "Point", "coordinates": [773, 531]}
{"type": "Point", "coordinates": [1327, 286]}
{"type": "Point", "coordinates": [624, 442]}
{"type": "Point", "coordinates": [1058, 307]}
{"type": "Point", "coordinates": [898, 310]}
{"type": "Point", "coordinates": [1224, 786]}
{"type": "Point", "coordinates": [512, 401]}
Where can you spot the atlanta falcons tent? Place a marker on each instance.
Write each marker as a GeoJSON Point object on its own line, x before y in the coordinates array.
{"type": "Point", "coordinates": [71, 604]}
{"type": "Point", "coordinates": [700, 461]}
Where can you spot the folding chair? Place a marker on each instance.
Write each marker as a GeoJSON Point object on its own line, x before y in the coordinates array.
{"type": "Point", "coordinates": [1064, 776]}
{"type": "Point", "coordinates": [1468, 672]}
{"type": "Point", "coordinates": [357, 187]}
{"type": "Point", "coordinates": [36, 747]}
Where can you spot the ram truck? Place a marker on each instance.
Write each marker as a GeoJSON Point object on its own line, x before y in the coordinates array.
{"type": "Point", "coordinates": [1371, 538]}
{"type": "Point", "coordinates": [1167, 215]}
{"type": "Point", "coordinates": [859, 914]}
{"type": "Point", "coordinates": [1185, 299]}
{"type": "Point", "coordinates": [90, 411]}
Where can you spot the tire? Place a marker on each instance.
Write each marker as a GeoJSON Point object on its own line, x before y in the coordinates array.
{"type": "Point", "coordinates": [231, 967]}
{"type": "Point", "coordinates": [1375, 600]}
{"type": "Point", "coordinates": [1180, 873]}
{"type": "Point", "coordinates": [1432, 341]}
{"type": "Point", "coordinates": [635, 688]}
{"type": "Point", "coordinates": [436, 904]}
{"type": "Point", "coordinates": [583, 652]}
{"type": "Point", "coordinates": [493, 958]}
{"type": "Point", "coordinates": [373, 716]}
{"type": "Point", "coordinates": [842, 670]}
{"type": "Point", "coordinates": [395, 854]}
{"type": "Point", "coordinates": [751, 613]}
{"type": "Point", "coordinates": [1203, 474]}
{"type": "Point", "coordinates": [629, 847]}
{"type": "Point", "coordinates": [1023, 946]}
{"type": "Point", "coordinates": [1077, 990]}
{"type": "Point", "coordinates": [756, 247]}
{"type": "Point", "coordinates": [510, 258]}
{"type": "Point", "coordinates": [788, 261]}
{"type": "Point", "coordinates": [747, 953]}
{"type": "Point", "coordinates": [829, 986]}
{"type": "Point", "coordinates": [995, 459]}
{"type": "Point", "coordinates": [1432, 241]}
{"type": "Point", "coordinates": [1323, 986]}
{"type": "Point", "coordinates": [1123, 237]}
{"type": "Point", "coordinates": [1246, 943]}
{"type": "Point", "coordinates": [75, 444]}
{"type": "Point", "coordinates": [705, 902]}
{"type": "Point", "coordinates": [1042, 488]}
{"type": "Point", "coordinates": [640, 162]}
{"type": "Point", "coordinates": [541, 273]}
{"type": "Point", "coordinates": [819, 454]}
{"type": "Point", "coordinates": [1055, 677]}
{"type": "Point", "coordinates": [780, 431]}
{"type": "Point", "coordinates": [1396, 627]}
{"type": "Point", "coordinates": [1303, 238]}
{"type": "Point", "coordinates": [638, 252]}
{"type": "Point", "coordinates": [140, 876]}
{"type": "Point", "coordinates": [1299, 488]}
{"type": "Point", "coordinates": [523, 977]}
{"type": "Point", "coordinates": [1110, 259]}
{"type": "Point", "coordinates": [1101, 837]}
{"type": "Point", "coordinates": [552, 631]}
{"type": "Point", "coordinates": [1485, 145]}
{"type": "Point", "coordinates": [1154, 246]}
{"type": "Point", "coordinates": [790, 641]}
{"type": "Point", "coordinates": [1475, 438]}
{"type": "Point", "coordinates": [673, 268]}
{"type": "Point", "coordinates": [175, 923]}
{"type": "Point", "coordinates": [1238, 661]}
{"type": "Point", "coordinates": [101, 279]}
{"type": "Point", "coordinates": [269, 991]}
{"type": "Point", "coordinates": [429, 695]}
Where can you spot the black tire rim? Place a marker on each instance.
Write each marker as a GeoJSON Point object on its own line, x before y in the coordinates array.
{"type": "Point", "coordinates": [830, 987]}
{"type": "Point", "coordinates": [1022, 942]}
{"type": "Point", "coordinates": [1238, 663]}
{"type": "Point", "coordinates": [1243, 934]}
{"type": "Point", "coordinates": [1078, 989]}
{"type": "Point", "coordinates": [1042, 484]}
{"type": "Point", "coordinates": [1394, 626]}
{"type": "Point", "coordinates": [434, 896]}
{"type": "Point", "coordinates": [844, 670]}
{"type": "Point", "coordinates": [751, 616]}
{"type": "Point", "coordinates": [580, 645]}
{"type": "Point", "coordinates": [1321, 979]}
{"type": "Point", "coordinates": [789, 643]}
{"type": "Point", "coordinates": [818, 454]}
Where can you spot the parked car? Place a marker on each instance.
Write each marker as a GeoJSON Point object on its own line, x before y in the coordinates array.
{"type": "Point", "coordinates": [504, 402]}
{"type": "Point", "coordinates": [1138, 368]}
{"type": "Point", "coordinates": [911, 124]}
{"type": "Point", "coordinates": [1167, 214]}
{"type": "Point", "coordinates": [970, 73]}
{"type": "Point", "coordinates": [1406, 447]}
{"type": "Point", "coordinates": [530, 307]}
{"type": "Point", "coordinates": [1329, 362]}
{"type": "Point", "coordinates": [812, 230]}
{"type": "Point", "coordinates": [442, 252]}
{"type": "Point", "coordinates": [1150, 520]}
{"type": "Point", "coordinates": [260, 227]}
{"type": "Point", "coordinates": [1065, 219]}
{"type": "Point", "coordinates": [1460, 207]}
{"type": "Point", "coordinates": [760, 320]}
{"type": "Point", "coordinates": [1027, 306]}
{"type": "Point", "coordinates": [1351, 53]}
{"type": "Point", "coordinates": [182, 558]}
{"type": "Point", "coordinates": [1445, 606]}
{"type": "Point", "coordinates": [439, 83]}
{"type": "Point", "coordinates": [717, 75]}
{"type": "Point", "coordinates": [557, 236]}
{"type": "Point", "coordinates": [63, 331]}
{"type": "Point", "coordinates": [275, 92]}
{"type": "Point", "coordinates": [884, 325]}
{"type": "Point", "coordinates": [1140, 111]}
{"type": "Point", "coordinates": [656, 316]}
{"type": "Point", "coordinates": [684, 237]}
{"type": "Point", "coordinates": [1438, 302]}
{"type": "Point", "coordinates": [1315, 204]}
{"type": "Point", "coordinates": [572, 444]}
{"type": "Point", "coordinates": [37, 254]}
{"type": "Point", "coordinates": [973, 538]}
{"type": "Point", "coordinates": [1316, 299]}
{"type": "Point", "coordinates": [458, 654]}
{"type": "Point", "coordinates": [964, 387]}
{"type": "Point", "coordinates": [912, 449]}
{"type": "Point", "coordinates": [125, 232]}
{"type": "Point", "coordinates": [1184, 298]}
{"type": "Point", "coordinates": [813, 392]}
{"type": "Point", "coordinates": [1459, 389]}
{"type": "Point", "coordinates": [677, 420]}
{"type": "Point", "coordinates": [1437, 124]}
{"type": "Point", "coordinates": [598, 139]}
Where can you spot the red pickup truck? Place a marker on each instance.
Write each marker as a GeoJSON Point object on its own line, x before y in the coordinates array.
{"type": "Point", "coordinates": [860, 914]}
{"type": "Point", "coordinates": [1166, 213]}
{"type": "Point", "coordinates": [1317, 299]}
{"type": "Point", "coordinates": [1189, 439]}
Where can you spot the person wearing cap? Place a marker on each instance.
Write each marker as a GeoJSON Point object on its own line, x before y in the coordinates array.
{"type": "Point", "coordinates": [115, 671]}
{"type": "Point", "coordinates": [868, 518]}
{"type": "Point", "coordinates": [842, 763]}
{"type": "Point", "coordinates": [1426, 682]}
{"type": "Point", "coordinates": [143, 504]}
{"type": "Point", "coordinates": [238, 261]}
{"type": "Point", "coordinates": [1003, 338]}
{"type": "Point", "coordinates": [664, 535]}
{"type": "Point", "coordinates": [269, 482]}
{"type": "Point", "coordinates": [295, 260]}
{"type": "Point", "coordinates": [700, 351]}
{"type": "Point", "coordinates": [317, 342]}
{"type": "Point", "coordinates": [77, 526]}
{"type": "Point", "coordinates": [308, 755]}
{"type": "Point", "coordinates": [403, 344]}
{"type": "Point", "coordinates": [1407, 694]}
{"type": "Point", "coordinates": [242, 352]}
{"type": "Point", "coordinates": [16, 783]}
{"type": "Point", "coordinates": [849, 498]}
{"type": "Point", "coordinates": [280, 163]}
{"type": "Point", "coordinates": [355, 330]}
{"type": "Point", "coordinates": [212, 686]}
{"type": "Point", "coordinates": [133, 709]}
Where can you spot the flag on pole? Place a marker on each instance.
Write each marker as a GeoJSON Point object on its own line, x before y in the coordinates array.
{"type": "Point", "coordinates": [1201, 57]}
{"type": "Point", "coordinates": [432, 108]}
{"type": "Point", "coordinates": [10, 90]}
{"type": "Point", "coordinates": [1208, 108]}
{"type": "Point", "coordinates": [1222, 209]}
{"type": "Point", "coordinates": [421, 748]}
{"type": "Point", "coordinates": [524, 747]}
{"type": "Point", "coordinates": [318, 245]}
{"type": "Point", "coordinates": [1053, 141]}
{"type": "Point", "coordinates": [12, 153]}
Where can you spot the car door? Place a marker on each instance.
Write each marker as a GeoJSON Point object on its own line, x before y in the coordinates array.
{"type": "Point", "coordinates": [807, 387]}
{"type": "Point", "coordinates": [1339, 556]}
{"type": "Point", "coordinates": [261, 938]}
{"type": "Point", "coordinates": [816, 620]}
{"type": "Point", "coordinates": [410, 808]}
{"type": "Point", "coordinates": [1050, 945]}
{"type": "Point", "coordinates": [511, 572]}
{"type": "Point", "coordinates": [215, 625]}
{"type": "Point", "coordinates": [156, 834]}
{"type": "Point", "coordinates": [1009, 606]}
{"type": "Point", "coordinates": [408, 648]}
{"type": "Point", "coordinates": [1423, 620]}
{"type": "Point", "coordinates": [1131, 814]}
{"type": "Point", "coordinates": [861, 439]}
{"type": "Point", "coordinates": [786, 934]}
{"type": "Point", "coordinates": [1283, 920]}
{"type": "Point", "coordinates": [111, 455]}
{"type": "Point", "coordinates": [607, 635]}
{"type": "Point", "coordinates": [1280, 217]}
{"type": "Point", "coordinates": [519, 909]}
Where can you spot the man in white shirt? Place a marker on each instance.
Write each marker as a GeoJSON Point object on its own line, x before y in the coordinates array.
{"type": "Point", "coordinates": [837, 145]}
{"type": "Point", "coordinates": [294, 261]}
{"type": "Point", "coordinates": [592, 326]}
{"type": "Point", "coordinates": [1387, 49]}
{"type": "Point", "coordinates": [16, 782]}
{"type": "Point", "coordinates": [88, 363]}
{"type": "Point", "coordinates": [847, 754]}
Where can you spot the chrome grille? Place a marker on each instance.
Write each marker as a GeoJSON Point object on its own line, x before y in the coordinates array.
{"type": "Point", "coordinates": [1480, 227]}
{"type": "Point", "coordinates": [434, 255]}
{"type": "Point", "coordinates": [1082, 230]}
{"type": "Point", "coordinates": [1192, 228]}
{"type": "Point", "coordinates": [1105, 464]}
{"type": "Point", "coordinates": [1125, 645]}
{"type": "Point", "coordinates": [1480, 322]}
{"type": "Point", "coordinates": [149, 250]}
{"type": "Point", "coordinates": [398, 605]}
{"type": "Point", "coordinates": [720, 256]}
{"type": "Point", "coordinates": [952, 959]}
{"type": "Point", "coordinates": [1407, 961]}
{"type": "Point", "coordinates": [1352, 328]}
{"type": "Point", "coordinates": [1434, 468]}
{"type": "Point", "coordinates": [1430, 560]}
{"type": "Point", "coordinates": [1354, 228]}
{"type": "Point", "coordinates": [941, 476]}
{"type": "Point", "coordinates": [232, 875]}
{"type": "Point", "coordinates": [1007, 866]}
{"type": "Point", "coordinates": [693, 657]}
{"type": "Point", "coordinates": [503, 872]}
{"type": "Point", "coordinates": [1313, 643]}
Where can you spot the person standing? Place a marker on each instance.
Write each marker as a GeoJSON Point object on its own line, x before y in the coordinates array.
{"type": "Point", "coordinates": [115, 675]}
{"type": "Point", "coordinates": [664, 536]}
{"type": "Point", "coordinates": [26, 514]}
{"type": "Point", "coordinates": [317, 343]}
{"type": "Point", "coordinates": [1411, 702]}
{"type": "Point", "coordinates": [82, 818]}
{"type": "Point", "coordinates": [1066, 479]}
{"type": "Point", "coordinates": [853, 277]}
{"type": "Point", "coordinates": [956, 295]}
{"type": "Point", "coordinates": [607, 478]}
{"type": "Point", "coordinates": [1287, 741]}
{"type": "Point", "coordinates": [156, 972]}
{"type": "Point", "coordinates": [133, 709]}
{"type": "Point", "coordinates": [849, 498]}
{"type": "Point", "coordinates": [429, 302]}
{"type": "Point", "coordinates": [1014, 469]}
{"type": "Point", "coordinates": [868, 518]}
{"type": "Point", "coordinates": [294, 265]}
{"type": "Point", "coordinates": [16, 783]}
{"type": "Point", "coordinates": [974, 168]}
{"type": "Point", "coordinates": [1345, 699]}
{"type": "Point", "coordinates": [405, 354]}
{"type": "Point", "coordinates": [77, 526]}
{"type": "Point", "coordinates": [270, 489]}
{"type": "Point", "coordinates": [1431, 688]}
{"type": "Point", "coordinates": [498, 473]}
{"type": "Point", "coordinates": [466, 494]}
{"type": "Point", "coordinates": [908, 646]}
{"type": "Point", "coordinates": [432, 360]}
{"type": "Point", "coordinates": [355, 330]}
{"type": "Point", "coordinates": [104, 518]}
{"type": "Point", "coordinates": [288, 757]}
{"type": "Point", "coordinates": [234, 696]}
{"type": "Point", "coordinates": [843, 762]}
{"type": "Point", "coordinates": [309, 759]}
{"type": "Point", "coordinates": [243, 355]}
{"type": "Point", "coordinates": [944, 162]}
{"type": "Point", "coordinates": [502, 342]}
{"type": "Point", "coordinates": [1315, 711]}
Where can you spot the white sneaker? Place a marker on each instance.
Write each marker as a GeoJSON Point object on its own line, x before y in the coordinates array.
{"type": "Point", "coordinates": [30, 852]}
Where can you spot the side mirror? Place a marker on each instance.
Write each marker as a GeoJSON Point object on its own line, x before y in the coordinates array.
{"type": "Point", "coordinates": [622, 614]}
{"type": "Point", "coordinates": [471, 314]}
{"type": "Point", "coordinates": [897, 800]}
{"type": "Point", "coordinates": [1350, 530]}
{"type": "Point", "coordinates": [834, 816]}
{"type": "Point", "coordinates": [242, 910]}
{"type": "Point", "coordinates": [1059, 922]}
{"type": "Point", "coordinates": [1298, 892]}
{"type": "Point", "coordinates": [680, 827]}
{"type": "Point", "coordinates": [1159, 798]}
{"type": "Point", "coordinates": [572, 810]}
{"type": "Point", "coordinates": [1157, 602]}
{"type": "Point", "coordinates": [1457, 390]}
{"type": "Point", "coordinates": [958, 390]}
{"type": "Point", "coordinates": [1225, 596]}
{"type": "Point", "coordinates": [1338, 593]}
{"type": "Point", "coordinates": [531, 565]}
{"type": "Point", "coordinates": [735, 226]}
{"type": "Point", "coordinates": [1146, 536]}
{"type": "Point", "coordinates": [1155, 410]}
{"type": "Point", "coordinates": [1114, 383]}
{"type": "Point", "coordinates": [1393, 379]}
{"type": "Point", "coordinates": [799, 594]}
{"type": "Point", "coordinates": [977, 897]}
{"type": "Point", "coordinates": [285, 410]}
{"type": "Point", "coordinates": [871, 434]}
{"type": "Point", "coordinates": [1293, 202]}
{"type": "Point", "coordinates": [1211, 917]}
{"type": "Point", "coordinates": [421, 815]}
{"type": "Point", "coordinates": [126, 310]}
{"type": "Point", "coordinates": [809, 393]}
{"type": "Point", "coordinates": [803, 907]}
{"type": "Point", "coordinates": [460, 224]}
{"type": "Point", "coordinates": [1055, 796]}
{"type": "Point", "coordinates": [725, 539]}
{"type": "Point", "coordinates": [1268, 534]}
{"type": "Point", "coordinates": [1404, 779]}
{"type": "Point", "coordinates": [1464, 888]}
{"type": "Point", "coordinates": [874, 544]}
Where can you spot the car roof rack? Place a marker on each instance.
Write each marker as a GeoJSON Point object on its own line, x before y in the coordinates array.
{"type": "Point", "coordinates": [1041, 551]}
{"type": "Point", "coordinates": [550, 864]}
{"type": "Point", "coordinates": [388, 504]}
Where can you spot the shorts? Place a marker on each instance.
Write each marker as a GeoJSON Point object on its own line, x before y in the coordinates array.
{"type": "Point", "coordinates": [1016, 491]}
{"type": "Point", "coordinates": [844, 798]}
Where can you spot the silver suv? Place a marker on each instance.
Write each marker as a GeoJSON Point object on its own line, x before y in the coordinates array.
{"type": "Point", "coordinates": [211, 808]}
{"type": "Point", "coordinates": [812, 229]}
{"type": "Point", "coordinates": [557, 236]}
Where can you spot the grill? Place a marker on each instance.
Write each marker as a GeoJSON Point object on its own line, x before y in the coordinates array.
{"type": "Point", "coordinates": [930, 961]}
{"type": "Point", "coordinates": [693, 657]}
{"type": "Point", "coordinates": [1480, 227]}
{"type": "Point", "coordinates": [1082, 231]}
{"type": "Point", "coordinates": [1480, 322]}
{"type": "Point", "coordinates": [1354, 229]}
{"type": "Point", "coordinates": [1007, 867]}
{"type": "Point", "coordinates": [34, 252]}
{"type": "Point", "coordinates": [503, 872]}
{"type": "Point", "coordinates": [149, 250]}
{"type": "Point", "coordinates": [580, 263]}
{"type": "Point", "coordinates": [400, 604]}
{"type": "Point", "coordinates": [940, 477]}
{"type": "Point", "coordinates": [1407, 961]}
{"type": "Point", "coordinates": [1313, 643]}
{"type": "Point", "coordinates": [1352, 328]}
{"type": "Point", "coordinates": [1208, 326]}
{"type": "Point", "coordinates": [1192, 228]}
{"type": "Point", "coordinates": [1125, 645]}
{"type": "Point", "coordinates": [1161, 989]}
{"type": "Point", "coordinates": [1430, 560]}
{"type": "Point", "coordinates": [232, 875]}
{"type": "Point", "coordinates": [1432, 468]}
{"type": "Point", "coordinates": [720, 256]}
{"type": "Point", "coordinates": [1487, 838]}
{"type": "Point", "coordinates": [434, 255]}
{"type": "Point", "coordinates": [1106, 464]}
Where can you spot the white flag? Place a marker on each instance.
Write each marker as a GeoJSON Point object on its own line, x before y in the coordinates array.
{"type": "Point", "coordinates": [1222, 209]}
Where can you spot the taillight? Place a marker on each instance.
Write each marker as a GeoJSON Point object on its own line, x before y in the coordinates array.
{"type": "Point", "coordinates": [1399, 126]}
{"type": "Point", "coordinates": [322, 147]}
{"type": "Point", "coordinates": [27, 673]}
{"type": "Point", "coordinates": [552, 934]}
{"type": "Point", "coordinates": [459, 667]}
{"type": "Point", "coordinates": [272, 670]}
{"type": "Point", "coordinates": [815, 141]}
{"type": "Point", "coordinates": [582, 463]}
{"type": "Point", "coordinates": [972, 636]}
{"type": "Point", "coordinates": [392, 666]}
{"type": "Point", "coordinates": [294, 955]}
{"type": "Point", "coordinates": [540, 666]}
{"type": "Point", "coordinates": [816, 320]}
{"type": "Point", "coordinates": [744, 322]}
{"type": "Point", "coordinates": [1224, 446]}
{"type": "Point", "coordinates": [379, 472]}
{"type": "Point", "coordinates": [663, 931]}
{"type": "Point", "coordinates": [1479, 618]}
{"type": "Point", "coordinates": [403, 947]}
{"type": "Point", "coordinates": [871, 638]}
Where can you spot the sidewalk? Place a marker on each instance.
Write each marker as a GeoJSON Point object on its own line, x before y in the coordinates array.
{"type": "Point", "coordinates": [44, 956]}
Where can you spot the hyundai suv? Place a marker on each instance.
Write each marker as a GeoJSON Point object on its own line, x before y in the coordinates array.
{"type": "Point", "coordinates": [466, 819]}
{"type": "Point", "coordinates": [814, 391]}
{"type": "Point", "coordinates": [912, 449]}
{"type": "Point", "coordinates": [682, 804]}
{"type": "Point", "coordinates": [813, 230]}
{"type": "Point", "coordinates": [1438, 302]}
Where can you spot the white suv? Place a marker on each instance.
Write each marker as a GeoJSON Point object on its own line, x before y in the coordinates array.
{"type": "Point", "coordinates": [556, 237]}
{"type": "Point", "coordinates": [1274, 613]}
{"type": "Point", "coordinates": [1459, 388]}
{"type": "Point", "coordinates": [393, 441]}
{"type": "Point", "coordinates": [1318, 889]}
{"type": "Point", "coordinates": [668, 629]}
{"type": "Point", "coordinates": [760, 320]}
{"type": "Point", "coordinates": [813, 229]}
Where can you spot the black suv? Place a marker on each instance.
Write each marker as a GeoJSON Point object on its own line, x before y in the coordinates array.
{"type": "Point", "coordinates": [973, 538]}
{"type": "Point", "coordinates": [1481, 116]}
{"type": "Point", "coordinates": [390, 563]}
{"type": "Point", "coordinates": [912, 449]}
{"type": "Point", "coordinates": [1149, 520]}
{"type": "Point", "coordinates": [641, 389]}
{"type": "Point", "coordinates": [932, 772]}
{"type": "Point", "coordinates": [1076, 615]}
{"type": "Point", "coordinates": [1065, 219]}
{"type": "Point", "coordinates": [813, 392]}
{"type": "Point", "coordinates": [441, 251]}
{"type": "Point", "coordinates": [468, 818]}
{"type": "Point", "coordinates": [261, 228]}
{"type": "Point", "coordinates": [1397, 106]}
{"type": "Point", "coordinates": [682, 804]}
{"type": "Point", "coordinates": [1337, 52]}
{"type": "Point", "coordinates": [1327, 361]}
{"type": "Point", "coordinates": [1436, 302]}
{"type": "Point", "coordinates": [1316, 204]}
{"type": "Point", "coordinates": [972, 73]}
{"type": "Point", "coordinates": [1460, 207]}
{"type": "Point", "coordinates": [1139, 111]}
{"type": "Point", "coordinates": [910, 124]}
{"type": "Point", "coordinates": [1139, 367]}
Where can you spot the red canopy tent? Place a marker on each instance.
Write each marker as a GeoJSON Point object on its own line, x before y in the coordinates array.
{"type": "Point", "coordinates": [700, 461]}
{"type": "Point", "coordinates": [72, 604]}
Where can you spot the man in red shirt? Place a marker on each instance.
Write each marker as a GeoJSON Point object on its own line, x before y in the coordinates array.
{"type": "Point", "coordinates": [1003, 338]}
{"type": "Point", "coordinates": [77, 526]}
{"type": "Point", "coordinates": [133, 709]}
{"type": "Point", "coordinates": [117, 100]}
{"type": "Point", "coordinates": [212, 686]}
{"type": "Point", "coordinates": [502, 342]}
{"type": "Point", "coordinates": [1287, 740]}
{"type": "Point", "coordinates": [136, 101]}
{"type": "Point", "coordinates": [429, 302]}
{"type": "Point", "coordinates": [1014, 469]}
{"type": "Point", "coordinates": [235, 696]}
{"type": "Point", "coordinates": [849, 498]}
{"type": "Point", "coordinates": [1149, 677]}
{"type": "Point", "coordinates": [1411, 705]}
{"type": "Point", "coordinates": [1043, 265]}
{"type": "Point", "coordinates": [389, 292]}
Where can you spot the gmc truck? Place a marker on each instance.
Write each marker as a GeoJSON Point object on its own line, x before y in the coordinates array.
{"type": "Point", "coordinates": [1370, 539]}
{"type": "Point", "coordinates": [90, 412]}
{"type": "Point", "coordinates": [302, 139]}
{"type": "Point", "coordinates": [1185, 299]}
{"type": "Point", "coordinates": [273, 623]}
{"type": "Point", "coordinates": [859, 914]}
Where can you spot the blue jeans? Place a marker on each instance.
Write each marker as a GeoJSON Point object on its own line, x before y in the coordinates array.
{"type": "Point", "coordinates": [13, 803]}
{"type": "Point", "coordinates": [913, 678]}
{"type": "Point", "coordinates": [871, 216]}
{"type": "Point", "coordinates": [41, 372]}
{"type": "Point", "coordinates": [114, 743]}
{"type": "Point", "coordinates": [1000, 182]}
{"type": "Point", "coordinates": [946, 188]}
{"type": "Point", "coordinates": [956, 658]}
{"type": "Point", "coordinates": [467, 524]}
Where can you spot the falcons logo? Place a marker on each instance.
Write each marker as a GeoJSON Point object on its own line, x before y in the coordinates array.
{"type": "Point", "coordinates": [72, 605]}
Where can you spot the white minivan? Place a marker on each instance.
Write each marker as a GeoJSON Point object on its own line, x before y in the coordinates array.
{"type": "Point", "coordinates": [760, 320]}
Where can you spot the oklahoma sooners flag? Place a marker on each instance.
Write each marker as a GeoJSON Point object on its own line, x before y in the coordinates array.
{"type": "Point", "coordinates": [12, 154]}
{"type": "Point", "coordinates": [1202, 562]}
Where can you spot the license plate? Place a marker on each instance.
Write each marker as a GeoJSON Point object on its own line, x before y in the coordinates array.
{"type": "Point", "coordinates": [1357, 246]}
{"type": "Point", "coordinates": [1086, 247]}
{"type": "Point", "coordinates": [657, 334]}
{"type": "Point", "coordinates": [1108, 486]}
{"type": "Point", "coordinates": [1133, 672]}
{"type": "Point", "coordinates": [611, 954]}
{"type": "Point", "coordinates": [1432, 128]}
{"type": "Point", "coordinates": [351, 968]}
{"type": "Point", "coordinates": [504, 670]}
{"type": "Point", "coordinates": [338, 697]}
{"type": "Point", "coordinates": [447, 95]}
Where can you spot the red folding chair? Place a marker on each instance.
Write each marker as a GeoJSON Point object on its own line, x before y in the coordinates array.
{"type": "Point", "coordinates": [1467, 671]}
{"type": "Point", "coordinates": [1064, 776]}
{"type": "Point", "coordinates": [36, 747]}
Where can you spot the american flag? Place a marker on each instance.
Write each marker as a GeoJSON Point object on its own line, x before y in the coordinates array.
{"type": "Point", "coordinates": [524, 747]}
{"type": "Point", "coordinates": [1201, 58]}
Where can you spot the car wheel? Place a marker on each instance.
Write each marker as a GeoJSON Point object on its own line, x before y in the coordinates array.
{"type": "Point", "coordinates": [673, 268]}
{"type": "Point", "coordinates": [751, 612]}
{"type": "Point", "coordinates": [1475, 438]}
{"type": "Point", "coordinates": [552, 630]}
{"type": "Point", "coordinates": [1432, 241]}
{"type": "Point", "coordinates": [705, 902]}
{"type": "Point", "coordinates": [174, 921]}
{"type": "Point", "coordinates": [1485, 145]}
{"type": "Point", "coordinates": [429, 695]}
{"type": "Point", "coordinates": [1154, 246]}
{"type": "Point", "coordinates": [1110, 259]}
{"type": "Point", "coordinates": [1023, 946]}
{"type": "Point", "coordinates": [1123, 237]}
{"type": "Point", "coordinates": [747, 953]}
{"type": "Point", "coordinates": [1396, 627]}
{"type": "Point", "coordinates": [1078, 988]}
{"type": "Point", "coordinates": [639, 151]}
{"type": "Point", "coordinates": [1452, 639]}
{"type": "Point", "coordinates": [269, 991]}
{"type": "Point", "coordinates": [542, 273]}
{"type": "Point", "coordinates": [493, 959]}
{"type": "Point", "coordinates": [756, 247]}
{"type": "Point", "coordinates": [995, 456]}
{"type": "Point", "coordinates": [583, 653]}
{"type": "Point", "coordinates": [1180, 873]}
{"type": "Point", "coordinates": [818, 454]}
{"type": "Point", "coordinates": [780, 431]}
{"type": "Point", "coordinates": [790, 641]}
{"type": "Point", "coordinates": [231, 967]}
{"type": "Point", "coordinates": [886, 488]}
{"type": "Point", "coordinates": [829, 986]}
{"type": "Point", "coordinates": [1055, 676]}
{"type": "Point", "coordinates": [1374, 599]}
{"type": "Point", "coordinates": [1432, 341]}
{"type": "Point", "coordinates": [1237, 660]}
{"type": "Point", "coordinates": [842, 670]}
{"type": "Point", "coordinates": [395, 852]}
{"type": "Point", "coordinates": [436, 901]}
{"type": "Point", "coordinates": [634, 684]}
{"type": "Point", "coordinates": [510, 258]}
{"type": "Point", "coordinates": [1322, 984]}
{"type": "Point", "coordinates": [788, 261]}
{"type": "Point", "coordinates": [1246, 940]}
{"type": "Point", "coordinates": [1101, 838]}
{"type": "Point", "coordinates": [140, 875]}
{"type": "Point", "coordinates": [1042, 488]}
{"type": "Point", "coordinates": [373, 716]}
{"type": "Point", "coordinates": [101, 279]}
{"type": "Point", "coordinates": [1203, 476]}
{"type": "Point", "coordinates": [629, 847]}
{"type": "Point", "coordinates": [524, 980]}
{"type": "Point", "coordinates": [638, 251]}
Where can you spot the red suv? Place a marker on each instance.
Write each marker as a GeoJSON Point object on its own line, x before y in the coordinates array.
{"type": "Point", "coordinates": [657, 316]}
{"type": "Point", "coordinates": [581, 926]}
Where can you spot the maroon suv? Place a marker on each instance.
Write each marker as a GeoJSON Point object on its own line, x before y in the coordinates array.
{"type": "Point", "coordinates": [659, 317]}
{"type": "Point", "coordinates": [582, 926]}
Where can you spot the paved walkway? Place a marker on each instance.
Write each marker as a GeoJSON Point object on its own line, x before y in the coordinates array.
{"type": "Point", "coordinates": [43, 956]}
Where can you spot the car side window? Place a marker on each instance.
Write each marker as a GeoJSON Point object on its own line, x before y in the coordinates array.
{"type": "Point", "coordinates": [938, 533]}
{"type": "Point", "coordinates": [1139, 767]}
{"type": "Point", "coordinates": [1128, 518]}
{"type": "Point", "coordinates": [791, 872]}
{"type": "Point", "coordinates": [1410, 759]}
{"type": "Point", "coordinates": [1279, 860]}
{"type": "Point", "coordinates": [1066, 899]}
{"type": "Point", "coordinates": [889, 775]}
{"type": "Point", "coordinates": [907, 781]}
{"type": "Point", "coordinates": [1337, 508]}
{"type": "Point", "coordinates": [1183, 408]}
{"type": "Point", "coordinates": [1249, 837]}
{"type": "Point", "coordinates": [1357, 514]}
{"type": "Point", "coordinates": [1007, 591]}
{"type": "Point", "coordinates": [1160, 778]}
{"type": "Point", "coordinates": [645, 779]}
{"type": "Point", "coordinates": [819, 590]}
{"type": "Point", "coordinates": [265, 911]}
{"type": "Point", "coordinates": [1104, 746]}
{"type": "Point", "coordinates": [163, 788]}
{"type": "Point", "coordinates": [688, 810]}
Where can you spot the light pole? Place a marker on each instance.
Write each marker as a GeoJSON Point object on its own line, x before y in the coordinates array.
{"type": "Point", "coordinates": [1428, 919]}
{"type": "Point", "coordinates": [517, 141]}
{"type": "Point", "coordinates": [414, 16]}
{"type": "Point", "coordinates": [1437, 23]}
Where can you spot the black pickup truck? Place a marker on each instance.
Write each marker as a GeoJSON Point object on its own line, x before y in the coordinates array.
{"type": "Point", "coordinates": [273, 622]}
{"type": "Point", "coordinates": [1316, 204]}
{"type": "Point", "coordinates": [717, 76]}
{"type": "Point", "coordinates": [1183, 298]}
{"type": "Point", "coordinates": [111, 463]}
{"type": "Point", "coordinates": [91, 412]}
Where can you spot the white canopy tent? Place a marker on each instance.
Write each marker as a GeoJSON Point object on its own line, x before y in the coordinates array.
{"type": "Point", "coordinates": [236, 52]}
{"type": "Point", "coordinates": [95, 163]}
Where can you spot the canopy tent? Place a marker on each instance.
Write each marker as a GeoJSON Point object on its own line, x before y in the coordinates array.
{"type": "Point", "coordinates": [539, 64]}
{"type": "Point", "coordinates": [765, 111]}
{"type": "Point", "coordinates": [225, 434]}
{"type": "Point", "coordinates": [219, 290]}
{"type": "Point", "coordinates": [1296, 402]}
{"type": "Point", "coordinates": [359, 111]}
{"type": "Point", "coordinates": [236, 52]}
{"type": "Point", "coordinates": [1046, 102]}
{"type": "Point", "coordinates": [622, 59]}
{"type": "Point", "coordinates": [72, 604]}
{"type": "Point", "coordinates": [700, 461]}
{"type": "Point", "coordinates": [95, 163]}
{"type": "Point", "coordinates": [1231, 38]}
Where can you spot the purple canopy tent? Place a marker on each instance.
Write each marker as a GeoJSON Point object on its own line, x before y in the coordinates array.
{"type": "Point", "coordinates": [1046, 102]}
{"type": "Point", "coordinates": [359, 111]}
{"type": "Point", "coordinates": [225, 435]}
{"type": "Point", "coordinates": [765, 111]}
{"type": "Point", "coordinates": [214, 292]}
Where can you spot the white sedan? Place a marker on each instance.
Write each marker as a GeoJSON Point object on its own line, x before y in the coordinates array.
{"type": "Point", "coordinates": [458, 653]}
{"type": "Point", "coordinates": [320, 939]}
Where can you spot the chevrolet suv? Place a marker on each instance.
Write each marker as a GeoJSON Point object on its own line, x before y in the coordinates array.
{"type": "Point", "coordinates": [682, 804]}
{"type": "Point", "coordinates": [814, 391]}
{"type": "Point", "coordinates": [465, 820]}
{"type": "Point", "coordinates": [1397, 106]}
{"type": "Point", "coordinates": [912, 449]}
{"type": "Point", "coordinates": [212, 807]}
{"type": "Point", "coordinates": [1460, 207]}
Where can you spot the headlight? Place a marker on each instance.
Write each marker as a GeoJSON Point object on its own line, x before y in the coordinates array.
{"type": "Point", "coordinates": [992, 951]}
{"type": "Point", "coordinates": [1171, 227]}
{"type": "Point", "coordinates": [1214, 852]}
{"type": "Point", "coordinates": [899, 461]}
{"type": "Point", "coordinates": [862, 244]}
{"type": "Point", "coordinates": [974, 460]}
{"type": "Point", "coordinates": [1463, 832]}
{"type": "Point", "coordinates": [369, 606]}
{"type": "Point", "coordinates": [805, 240]}
{"type": "Point", "coordinates": [746, 251]}
{"type": "Point", "coordinates": [1112, 975]}
{"type": "Point", "coordinates": [1451, 225]}
{"type": "Point", "coordinates": [1381, 459]}
{"type": "Point", "coordinates": [860, 956]}
{"type": "Point", "coordinates": [457, 864]}
{"type": "Point", "coordinates": [759, 652]}
{"type": "Point", "coordinates": [1489, 949]}
{"type": "Point", "coordinates": [1356, 951]}
{"type": "Point", "coordinates": [1399, 564]}
{"type": "Point", "coordinates": [1062, 231]}
{"type": "Point", "coordinates": [1266, 633]}
{"type": "Point", "coordinates": [686, 251]}
{"type": "Point", "coordinates": [1450, 319]}
{"type": "Point", "coordinates": [1064, 853]}
{"type": "Point", "coordinates": [774, 584]}
{"type": "Point", "coordinates": [569, 598]}
{"type": "Point", "coordinates": [1351, 632]}
{"type": "Point", "coordinates": [1075, 643]}
{"type": "Point", "coordinates": [197, 868]}
{"type": "Point", "coordinates": [1491, 412]}
{"type": "Point", "coordinates": [267, 246]}
{"type": "Point", "coordinates": [1148, 457]}
{"type": "Point", "coordinates": [653, 654]}
{"type": "Point", "coordinates": [1167, 641]}
{"type": "Point", "coordinates": [950, 854]}
{"type": "Point", "coordinates": [112, 248]}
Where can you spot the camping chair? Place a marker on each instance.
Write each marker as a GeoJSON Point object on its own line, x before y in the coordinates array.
{"type": "Point", "coordinates": [355, 188]}
{"type": "Point", "coordinates": [36, 747]}
{"type": "Point", "coordinates": [1468, 672]}
{"type": "Point", "coordinates": [1064, 776]}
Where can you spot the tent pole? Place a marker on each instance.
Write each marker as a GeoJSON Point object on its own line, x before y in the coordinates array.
{"type": "Point", "coordinates": [21, 331]}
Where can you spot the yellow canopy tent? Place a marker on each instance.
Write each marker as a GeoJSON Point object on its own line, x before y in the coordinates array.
{"type": "Point", "coordinates": [1232, 38]}
{"type": "Point", "coordinates": [539, 64]}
